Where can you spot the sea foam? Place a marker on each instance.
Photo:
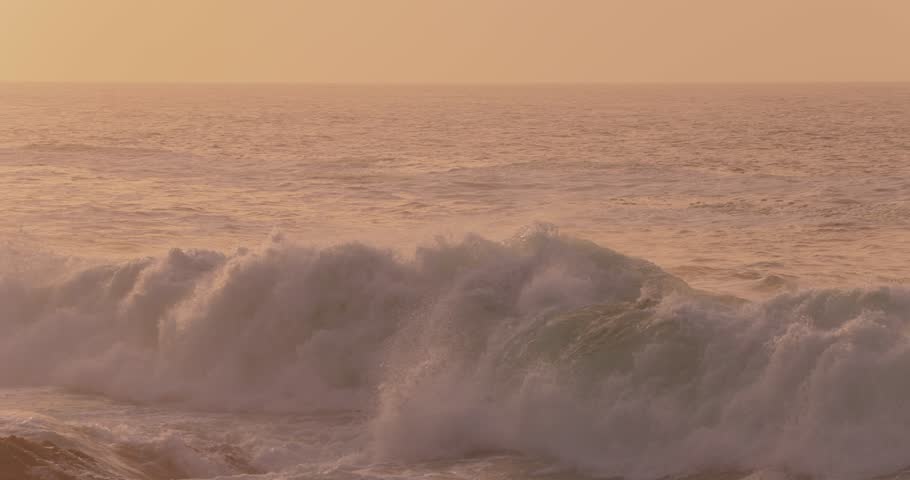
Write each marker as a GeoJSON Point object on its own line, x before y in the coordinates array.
{"type": "Point", "coordinates": [545, 345]}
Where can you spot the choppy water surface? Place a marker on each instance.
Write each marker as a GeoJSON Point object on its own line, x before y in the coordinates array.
{"type": "Point", "coordinates": [458, 282]}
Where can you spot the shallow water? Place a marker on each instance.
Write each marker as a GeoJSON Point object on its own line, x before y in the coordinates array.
{"type": "Point", "coordinates": [181, 298]}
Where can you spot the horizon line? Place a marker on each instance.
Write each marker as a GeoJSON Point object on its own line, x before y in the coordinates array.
{"type": "Point", "coordinates": [449, 84]}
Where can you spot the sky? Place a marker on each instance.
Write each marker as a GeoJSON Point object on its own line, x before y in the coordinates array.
{"type": "Point", "coordinates": [455, 41]}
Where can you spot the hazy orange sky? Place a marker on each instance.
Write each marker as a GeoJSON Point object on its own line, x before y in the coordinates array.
{"type": "Point", "coordinates": [454, 41]}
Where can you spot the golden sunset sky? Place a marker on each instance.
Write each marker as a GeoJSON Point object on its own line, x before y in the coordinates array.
{"type": "Point", "coordinates": [454, 41]}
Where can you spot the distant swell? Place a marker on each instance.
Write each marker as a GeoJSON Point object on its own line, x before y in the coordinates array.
{"type": "Point", "coordinates": [545, 345]}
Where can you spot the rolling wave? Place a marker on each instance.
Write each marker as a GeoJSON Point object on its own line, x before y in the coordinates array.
{"type": "Point", "coordinates": [545, 345]}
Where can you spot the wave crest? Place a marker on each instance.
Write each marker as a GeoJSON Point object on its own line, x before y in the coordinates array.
{"type": "Point", "coordinates": [546, 345]}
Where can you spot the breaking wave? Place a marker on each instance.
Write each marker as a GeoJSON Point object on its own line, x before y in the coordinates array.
{"type": "Point", "coordinates": [545, 345]}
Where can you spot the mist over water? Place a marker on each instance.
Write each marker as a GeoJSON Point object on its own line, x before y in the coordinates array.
{"type": "Point", "coordinates": [393, 282]}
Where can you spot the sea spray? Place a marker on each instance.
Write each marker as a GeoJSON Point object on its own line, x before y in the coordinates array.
{"type": "Point", "coordinates": [545, 345]}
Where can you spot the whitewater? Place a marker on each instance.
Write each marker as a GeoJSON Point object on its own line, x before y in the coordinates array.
{"type": "Point", "coordinates": [561, 282]}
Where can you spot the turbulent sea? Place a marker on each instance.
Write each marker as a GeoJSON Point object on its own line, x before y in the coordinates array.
{"type": "Point", "coordinates": [282, 282]}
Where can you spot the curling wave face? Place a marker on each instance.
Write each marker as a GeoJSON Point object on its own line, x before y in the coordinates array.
{"type": "Point", "coordinates": [546, 346]}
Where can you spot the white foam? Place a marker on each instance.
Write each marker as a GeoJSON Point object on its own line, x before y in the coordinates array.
{"type": "Point", "coordinates": [548, 346]}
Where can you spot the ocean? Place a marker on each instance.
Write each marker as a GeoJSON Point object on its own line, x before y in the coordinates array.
{"type": "Point", "coordinates": [267, 282]}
